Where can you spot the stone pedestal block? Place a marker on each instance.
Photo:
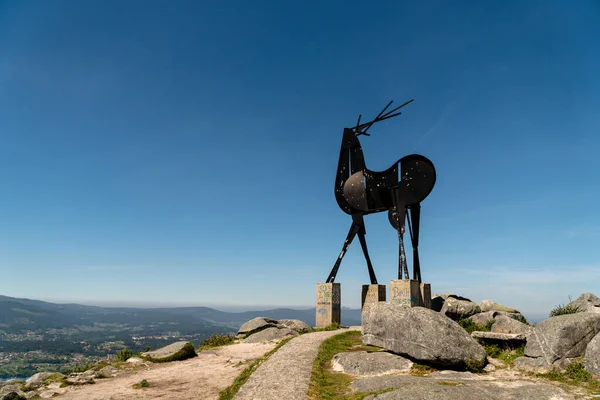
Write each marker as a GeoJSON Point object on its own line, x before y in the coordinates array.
{"type": "Point", "coordinates": [406, 292]}
{"type": "Point", "coordinates": [426, 294]}
{"type": "Point", "coordinates": [329, 301]}
{"type": "Point", "coordinates": [372, 294]}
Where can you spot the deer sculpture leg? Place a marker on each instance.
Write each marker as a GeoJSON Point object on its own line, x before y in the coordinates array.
{"type": "Point", "coordinates": [415, 216]}
{"type": "Point", "coordinates": [354, 228]}
{"type": "Point", "coordinates": [357, 227]}
{"type": "Point", "coordinates": [363, 244]}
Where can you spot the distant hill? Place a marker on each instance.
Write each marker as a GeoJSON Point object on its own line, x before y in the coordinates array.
{"type": "Point", "coordinates": [17, 315]}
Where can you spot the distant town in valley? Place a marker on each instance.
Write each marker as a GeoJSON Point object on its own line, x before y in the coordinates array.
{"type": "Point", "coordinates": [38, 336]}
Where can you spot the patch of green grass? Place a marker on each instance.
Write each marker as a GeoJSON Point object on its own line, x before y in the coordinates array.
{"type": "Point", "coordinates": [421, 369]}
{"type": "Point", "coordinates": [510, 355]}
{"type": "Point", "coordinates": [141, 384]}
{"type": "Point", "coordinates": [229, 392]}
{"type": "Point", "coordinates": [470, 326]}
{"type": "Point", "coordinates": [450, 383]}
{"type": "Point", "coordinates": [333, 327]}
{"type": "Point", "coordinates": [326, 384]}
{"type": "Point", "coordinates": [216, 340]}
{"type": "Point", "coordinates": [575, 374]}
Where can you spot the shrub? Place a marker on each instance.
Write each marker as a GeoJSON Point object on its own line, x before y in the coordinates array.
{"type": "Point", "coordinates": [563, 310]}
{"type": "Point", "coordinates": [217, 340]}
{"type": "Point", "coordinates": [124, 354]}
{"type": "Point", "coordinates": [470, 326]}
{"type": "Point", "coordinates": [577, 372]}
{"type": "Point", "coordinates": [141, 384]}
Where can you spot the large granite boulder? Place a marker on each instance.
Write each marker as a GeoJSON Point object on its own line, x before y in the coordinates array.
{"type": "Point", "coordinates": [364, 363]}
{"type": "Point", "coordinates": [505, 324]}
{"type": "Point", "coordinates": [420, 334]}
{"type": "Point", "coordinates": [557, 341]}
{"type": "Point", "coordinates": [489, 305]}
{"type": "Point", "coordinates": [438, 300]}
{"type": "Point", "coordinates": [40, 378]}
{"type": "Point", "coordinates": [591, 361]}
{"type": "Point", "coordinates": [587, 302]}
{"type": "Point", "coordinates": [294, 324]}
{"type": "Point", "coordinates": [271, 333]}
{"type": "Point", "coordinates": [459, 309]}
{"type": "Point", "coordinates": [256, 324]}
{"type": "Point", "coordinates": [174, 352]}
{"type": "Point", "coordinates": [483, 318]}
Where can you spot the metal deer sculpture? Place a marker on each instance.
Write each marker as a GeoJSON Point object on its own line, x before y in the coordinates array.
{"type": "Point", "coordinates": [360, 191]}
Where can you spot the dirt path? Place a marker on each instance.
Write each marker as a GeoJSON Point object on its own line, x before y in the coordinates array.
{"type": "Point", "coordinates": [199, 378]}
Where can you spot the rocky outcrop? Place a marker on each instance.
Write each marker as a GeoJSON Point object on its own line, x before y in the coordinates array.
{"type": "Point", "coordinates": [40, 378]}
{"type": "Point", "coordinates": [459, 309]}
{"type": "Point", "coordinates": [264, 329]}
{"type": "Point", "coordinates": [295, 325]}
{"type": "Point", "coordinates": [587, 302]}
{"type": "Point", "coordinates": [364, 363]}
{"type": "Point", "coordinates": [438, 300]}
{"type": "Point", "coordinates": [255, 325]}
{"type": "Point", "coordinates": [483, 318]}
{"type": "Point", "coordinates": [557, 341]}
{"type": "Point", "coordinates": [506, 324]}
{"type": "Point", "coordinates": [420, 334]}
{"type": "Point", "coordinates": [174, 352]}
{"type": "Point", "coordinates": [272, 333]}
{"type": "Point", "coordinates": [591, 361]}
{"type": "Point", "coordinates": [489, 305]}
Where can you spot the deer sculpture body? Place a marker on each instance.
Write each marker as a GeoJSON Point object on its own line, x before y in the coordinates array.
{"type": "Point", "coordinates": [399, 190]}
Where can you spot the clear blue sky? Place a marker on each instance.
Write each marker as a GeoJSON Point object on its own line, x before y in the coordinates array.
{"type": "Point", "coordinates": [185, 152]}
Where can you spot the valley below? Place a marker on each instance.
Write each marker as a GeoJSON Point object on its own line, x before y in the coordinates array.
{"type": "Point", "coordinates": [37, 336]}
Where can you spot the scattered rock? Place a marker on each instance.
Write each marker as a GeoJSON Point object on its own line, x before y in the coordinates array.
{"type": "Point", "coordinates": [591, 361]}
{"type": "Point", "coordinates": [38, 379]}
{"type": "Point", "coordinates": [272, 333]}
{"type": "Point", "coordinates": [295, 325]}
{"type": "Point", "coordinates": [369, 363]}
{"type": "Point", "coordinates": [12, 396]}
{"type": "Point", "coordinates": [539, 365]}
{"type": "Point", "coordinates": [483, 318]}
{"type": "Point", "coordinates": [135, 360]}
{"type": "Point", "coordinates": [496, 362]}
{"type": "Point", "coordinates": [420, 334]}
{"type": "Point", "coordinates": [587, 302]}
{"type": "Point", "coordinates": [9, 387]}
{"type": "Point", "coordinates": [256, 324]}
{"type": "Point", "coordinates": [174, 352]}
{"type": "Point", "coordinates": [499, 337]}
{"type": "Point", "coordinates": [506, 324]}
{"type": "Point", "coordinates": [489, 368]}
{"type": "Point", "coordinates": [107, 371]}
{"type": "Point", "coordinates": [459, 309]}
{"type": "Point", "coordinates": [437, 300]}
{"type": "Point", "coordinates": [489, 305]}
